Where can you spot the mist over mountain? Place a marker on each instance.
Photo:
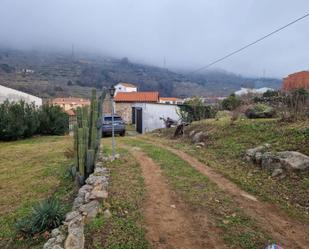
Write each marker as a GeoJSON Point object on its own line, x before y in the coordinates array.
{"type": "Point", "coordinates": [50, 74]}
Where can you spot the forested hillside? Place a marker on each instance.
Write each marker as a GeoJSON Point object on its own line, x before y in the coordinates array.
{"type": "Point", "coordinates": [65, 74]}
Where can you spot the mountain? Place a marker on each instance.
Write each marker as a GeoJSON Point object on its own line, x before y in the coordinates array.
{"type": "Point", "coordinates": [62, 74]}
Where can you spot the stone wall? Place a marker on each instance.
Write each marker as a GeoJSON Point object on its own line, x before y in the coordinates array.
{"type": "Point", "coordinates": [86, 206]}
{"type": "Point", "coordinates": [124, 110]}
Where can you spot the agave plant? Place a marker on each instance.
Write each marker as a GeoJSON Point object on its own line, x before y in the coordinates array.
{"type": "Point", "coordinates": [45, 216]}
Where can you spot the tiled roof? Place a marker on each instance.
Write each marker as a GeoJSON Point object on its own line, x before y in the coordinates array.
{"type": "Point", "coordinates": [70, 100]}
{"type": "Point", "coordinates": [137, 97]}
{"type": "Point", "coordinates": [126, 84]}
{"type": "Point", "coordinates": [296, 80]}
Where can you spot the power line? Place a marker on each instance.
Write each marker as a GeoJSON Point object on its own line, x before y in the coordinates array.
{"type": "Point", "coordinates": [249, 45]}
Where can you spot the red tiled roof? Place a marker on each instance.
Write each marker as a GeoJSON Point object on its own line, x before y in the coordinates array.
{"type": "Point", "coordinates": [137, 97]}
{"type": "Point", "coordinates": [296, 80]}
{"type": "Point", "coordinates": [127, 84]}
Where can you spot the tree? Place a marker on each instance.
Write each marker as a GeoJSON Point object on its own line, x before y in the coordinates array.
{"type": "Point", "coordinates": [231, 102]}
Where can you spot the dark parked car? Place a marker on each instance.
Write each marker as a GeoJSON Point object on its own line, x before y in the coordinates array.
{"type": "Point", "coordinates": [119, 125]}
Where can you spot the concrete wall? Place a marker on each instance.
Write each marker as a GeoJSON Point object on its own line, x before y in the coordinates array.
{"type": "Point", "coordinates": [152, 113]}
{"type": "Point", "coordinates": [122, 88]}
{"type": "Point", "coordinates": [14, 95]}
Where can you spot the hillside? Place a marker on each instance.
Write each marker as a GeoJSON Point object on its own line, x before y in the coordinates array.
{"type": "Point", "coordinates": [64, 74]}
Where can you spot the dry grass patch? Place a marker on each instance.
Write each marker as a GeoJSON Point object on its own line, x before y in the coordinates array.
{"type": "Point", "coordinates": [31, 170]}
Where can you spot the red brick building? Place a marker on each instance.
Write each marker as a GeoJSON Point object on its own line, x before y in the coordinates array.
{"type": "Point", "coordinates": [296, 80]}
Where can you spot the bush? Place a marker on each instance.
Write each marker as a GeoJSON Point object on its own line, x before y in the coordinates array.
{"type": "Point", "coordinates": [44, 216]}
{"type": "Point", "coordinates": [17, 120]}
{"type": "Point", "coordinates": [21, 120]}
{"type": "Point", "coordinates": [53, 120]}
{"type": "Point", "coordinates": [195, 109]}
{"type": "Point", "coordinates": [231, 102]}
{"type": "Point", "coordinates": [260, 111]}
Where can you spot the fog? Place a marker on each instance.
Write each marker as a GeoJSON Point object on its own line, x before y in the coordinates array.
{"type": "Point", "coordinates": [188, 34]}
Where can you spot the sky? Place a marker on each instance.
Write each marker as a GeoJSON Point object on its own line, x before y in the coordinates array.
{"type": "Point", "coordinates": [188, 34]}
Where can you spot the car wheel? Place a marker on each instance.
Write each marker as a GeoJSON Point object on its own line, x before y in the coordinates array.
{"type": "Point", "coordinates": [122, 133]}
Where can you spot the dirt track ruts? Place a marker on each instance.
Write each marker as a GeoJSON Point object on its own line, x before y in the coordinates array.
{"type": "Point", "coordinates": [168, 223]}
{"type": "Point", "coordinates": [290, 233]}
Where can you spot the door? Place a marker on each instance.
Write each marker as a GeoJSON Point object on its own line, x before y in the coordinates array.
{"type": "Point", "coordinates": [133, 115]}
{"type": "Point", "coordinates": [139, 120]}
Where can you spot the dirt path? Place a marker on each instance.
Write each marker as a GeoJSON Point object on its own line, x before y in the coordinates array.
{"type": "Point", "coordinates": [290, 233]}
{"type": "Point", "coordinates": [169, 224]}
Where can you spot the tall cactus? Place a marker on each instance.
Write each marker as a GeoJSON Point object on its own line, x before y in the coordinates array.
{"type": "Point", "coordinates": [87, 136]}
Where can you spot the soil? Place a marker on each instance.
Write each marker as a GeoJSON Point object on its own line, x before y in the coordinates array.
{"type": "Point", "coordinates": [169, 223]}
{"type": "Point", "coordinates": [290, 233]}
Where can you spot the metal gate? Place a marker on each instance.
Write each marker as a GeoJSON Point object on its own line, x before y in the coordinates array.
{"type": "Point", "coordinates": [139, 120]}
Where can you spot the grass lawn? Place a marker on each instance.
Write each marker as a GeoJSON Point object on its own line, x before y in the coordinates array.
{"type": "Point", "coordinates": [31, 170]}
{"type": "Point", "coordinates": [237, 229]}
{"type": "Point", "coordinates": [225, 148]}
{"type": "Point", "coordinates": [124, 229]}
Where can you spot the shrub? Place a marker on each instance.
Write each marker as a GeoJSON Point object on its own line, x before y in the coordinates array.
{"type": "Point", "coordinates": [21, 120]}
{"type": "Point", "coordinates": [44, 216]}
{"type": "Point", "coordinates": [195, 109]}
{"type": "Point", "coordinates": [17, 120]}
{"type": "Point", "coordinates": [53, 120]}
{"type": "Point", "coordinates": [260, 111]}
{"type": "Point", "coordinates": [231, 102]}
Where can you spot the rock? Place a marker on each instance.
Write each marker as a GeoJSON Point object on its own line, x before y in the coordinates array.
{"type": "Point", "coordinates": [200, 144]}
{"type": "Point", "coordinates": [78, 201]}
{"type": "Point", "coordinates": [71, 215]}
{"type": "Point", "coordinates": [107, 214]}
{"type": "Point", "coordinates": [49, 244]}
{"type": "Point", "coordinates": [55, 232]}
{"type": "Point", "coordinates": [255, 154]}
{"type": "Point", "coordinates": [260, 111]}
{"type": "Point", "coordinates": [57, 247]}
{"type": "Point", "coordinates": [90, 209]}
{"type": "Point", "coordinates": [75, 241]}
{"type": "Point", "coordinates": [270, 162]}
{"type": "Point", "coordinates": [199, 137]}
{"type": "Point", "coordinates": [277, 172]}
{"type": "Point", "coordinates": [98, 195]}
{"type": "Point", "coordinates": [191, 133]}
{"type": "Point", "coordinates": [293, 160]}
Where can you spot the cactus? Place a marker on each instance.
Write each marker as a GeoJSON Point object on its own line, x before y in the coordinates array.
{"type": "Point", "coordinates": [90, 161]}
{"type": "Point", "coordinates": [87, 136]}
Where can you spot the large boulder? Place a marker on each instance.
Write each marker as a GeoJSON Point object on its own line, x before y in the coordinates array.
{"type": "Point", "coordinates": [293, 160]}
{"type": "Point", "coordinates": [260, 111]}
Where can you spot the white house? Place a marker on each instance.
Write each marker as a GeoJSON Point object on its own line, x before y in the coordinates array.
{"type": "Point", "coordinates": [125, 87]}
{"type": "Point", "coordinates": [14, 95]}
{"type": "Point", "coordinates": [148, 116]}
{"type": "Point", "coordinates": [171, 100]}
{"type": "Point", "coordinates": [244, 91]}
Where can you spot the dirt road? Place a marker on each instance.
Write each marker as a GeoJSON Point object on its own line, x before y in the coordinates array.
{"type": "Point", "coordinates": [291, 233]}
{"type": "Point", "coordinates": [167, 220]}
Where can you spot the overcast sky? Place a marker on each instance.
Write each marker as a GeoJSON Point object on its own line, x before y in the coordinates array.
{"type": "Point", "coordinates": [188, 33]}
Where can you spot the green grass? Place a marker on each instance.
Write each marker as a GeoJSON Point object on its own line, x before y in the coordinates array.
{"type": "Point", "coordinates": [238, 230]}
{"type": "Point", "coordinates": [31, 170]}
{"type": "Point", "coordinates": [225, 149]}
{"type": "Point", "coordinates": [124, 230]}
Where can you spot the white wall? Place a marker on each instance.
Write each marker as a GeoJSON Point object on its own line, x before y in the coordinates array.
{"type": "Point", "coordinates": [152, 113]}
{"type": "Point", "coordinates": [14, 95]}
{"type": "Point", "coordinates": [122, 88]}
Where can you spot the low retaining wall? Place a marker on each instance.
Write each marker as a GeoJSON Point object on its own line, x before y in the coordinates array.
{"type": "Point", "coordinates": [86, 206]}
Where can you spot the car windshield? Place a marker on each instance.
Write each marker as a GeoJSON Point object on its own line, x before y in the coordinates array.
{"type": "Point", "coordinates": [109, 119]}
